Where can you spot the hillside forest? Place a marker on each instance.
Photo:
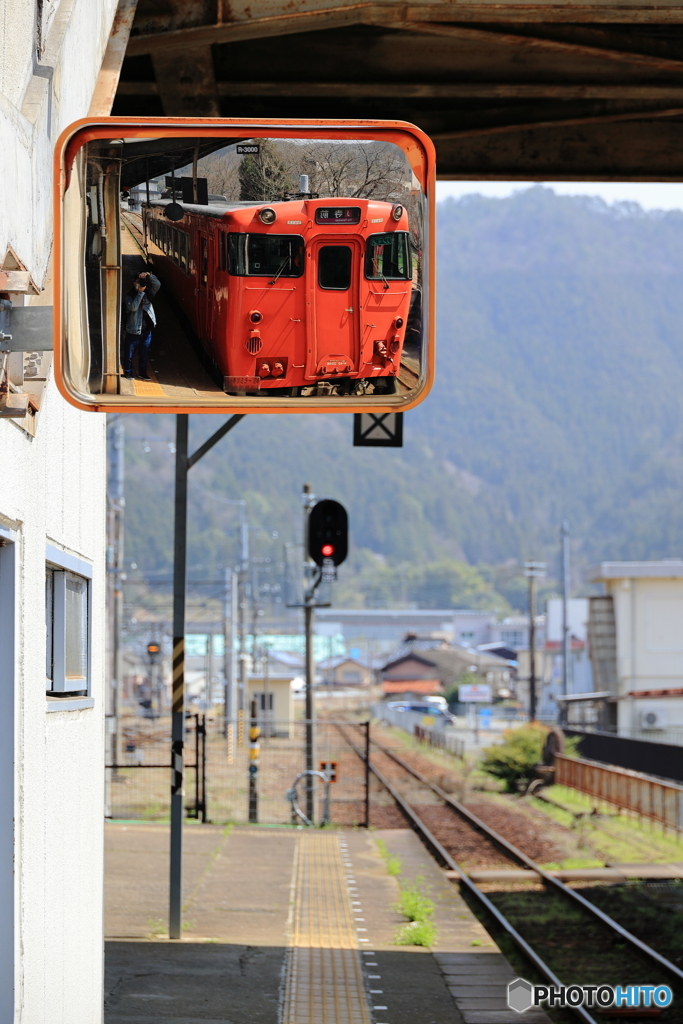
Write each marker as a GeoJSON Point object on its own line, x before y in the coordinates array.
{"type": "Point", "coordinates": [557, 396]}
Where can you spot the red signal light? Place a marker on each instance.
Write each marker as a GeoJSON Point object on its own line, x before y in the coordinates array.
{"type": "Point", "coordinates": [327, 550]}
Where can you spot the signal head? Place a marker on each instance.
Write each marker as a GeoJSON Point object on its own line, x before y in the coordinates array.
{"type": "Point", "coordinates": [328, 527]}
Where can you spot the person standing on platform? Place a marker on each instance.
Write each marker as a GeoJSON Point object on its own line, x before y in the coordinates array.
{"type": "Point", "coordinates": [140, 322]}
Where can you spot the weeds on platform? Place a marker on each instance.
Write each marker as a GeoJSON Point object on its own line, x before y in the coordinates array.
{"type": "Point", "coordinates": [393, 864]}
{"type": "Point", "coordinates": [416, 933]}
{"type": "Point", "coordinates": [414, 904]}
{"type": "Point", "coordinates": [157, 928]}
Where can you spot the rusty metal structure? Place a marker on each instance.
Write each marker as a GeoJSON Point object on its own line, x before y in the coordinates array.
{"type": "Point", "coordinates": [540, 90]}
{"type": "Point", "coordinates": [645, 795]}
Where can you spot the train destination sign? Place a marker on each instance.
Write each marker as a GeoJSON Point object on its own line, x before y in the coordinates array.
{"type": "Point", "coordinates": [338, 215]}
{"type": "Point", "coordinates": [223, 266]}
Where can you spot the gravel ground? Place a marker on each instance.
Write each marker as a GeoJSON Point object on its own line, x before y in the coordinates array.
{"type": "Point", "coordinates": [530, 836]}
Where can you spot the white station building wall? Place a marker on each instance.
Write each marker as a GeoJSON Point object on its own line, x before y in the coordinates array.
{"type": "Point", "coordinates": [52, 508]}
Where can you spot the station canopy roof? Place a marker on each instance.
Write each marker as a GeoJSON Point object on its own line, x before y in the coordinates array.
{"type": "Point", "coordinates": [144, 159]}
{"type": "Point", "coordinates": [540, 90]}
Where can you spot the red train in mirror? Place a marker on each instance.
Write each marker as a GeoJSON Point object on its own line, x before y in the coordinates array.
{"type": "Point", "coordinates": [304, 297]}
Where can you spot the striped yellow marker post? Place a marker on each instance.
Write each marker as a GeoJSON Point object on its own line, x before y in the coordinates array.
{"type": "Point", "coordinates": [175, 924]}
{"type": "Point", "coordinates": [254, 752]}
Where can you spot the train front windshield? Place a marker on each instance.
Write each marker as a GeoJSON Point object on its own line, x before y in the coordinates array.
{"type": "Point", "coordinates": [388, 257]}
{"type": "Point", "coordinates": [266, 255]}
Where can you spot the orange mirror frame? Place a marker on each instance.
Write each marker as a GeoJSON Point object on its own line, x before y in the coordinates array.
{"type": "Point", "coordinates": [218, 265]}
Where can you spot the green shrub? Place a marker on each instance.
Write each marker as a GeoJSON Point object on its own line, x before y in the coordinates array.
{"type": "Point", "coordinates": [515, 757]}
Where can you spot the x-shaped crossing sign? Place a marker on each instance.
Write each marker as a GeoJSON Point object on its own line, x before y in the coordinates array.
{"type": "Point", "coordinates": [378, 430]}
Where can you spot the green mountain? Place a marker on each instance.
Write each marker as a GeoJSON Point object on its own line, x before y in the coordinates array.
{"type": "Point", "coordinates": [558, 395]}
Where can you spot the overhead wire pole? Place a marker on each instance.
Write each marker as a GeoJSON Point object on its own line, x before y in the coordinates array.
{"type": "Point", "coordinates": [532, 570]}
{"type": "Point", "coordinates": [183, 463]}
{"type": "Point", "coordinates": [117, 502]}
{"type": "Point", "coordinates": [178, 694]}
{"type": "Point", "coordinates": [241, 613]}
{"type": "Point", "coordinates": [308, 499]}
{"type": "Point", "coordinates": [566, 644]}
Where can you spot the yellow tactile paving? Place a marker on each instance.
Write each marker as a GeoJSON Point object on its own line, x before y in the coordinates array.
{"type": "Point", "coordinates": [324, 981]}
{"type": "Point", "coordinates": [148, 388]}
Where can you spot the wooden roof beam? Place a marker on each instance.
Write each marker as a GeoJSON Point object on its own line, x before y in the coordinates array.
{"type": "Point", "coordinates": [186, 83]}
{"type": "Point", "coordinates": [535, 44]}
{"type": "Point", "coordinates": [433, 90]}
{"type": "Point", "coordinates": [647, 149]}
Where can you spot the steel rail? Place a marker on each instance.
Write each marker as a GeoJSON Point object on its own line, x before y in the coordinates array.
{"type": "Point", "coordinates": [550, 880]}
{"type": "Point", "coordinates": [442, 854]}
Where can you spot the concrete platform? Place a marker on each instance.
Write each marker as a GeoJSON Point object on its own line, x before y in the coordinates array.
{"type": "Point", "coordinates": [289, 925]}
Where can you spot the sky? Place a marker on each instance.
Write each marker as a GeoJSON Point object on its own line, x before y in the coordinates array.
{"type": "Point", "coordinates": [650, 195]}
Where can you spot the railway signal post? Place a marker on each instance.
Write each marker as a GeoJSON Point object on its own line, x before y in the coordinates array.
{"type": "Point", "coordinates": [326, 546]}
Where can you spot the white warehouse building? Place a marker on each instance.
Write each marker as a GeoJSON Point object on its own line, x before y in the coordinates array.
{"type": "Point", "coordinates": [636, 639]}
{"type": "Point", "coordinates": [57, 63]}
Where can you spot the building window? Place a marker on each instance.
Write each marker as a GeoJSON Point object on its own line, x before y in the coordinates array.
{"type": "Point", "coordinates": [467, 636]}
{"type": "Point", "coordinates": [514, 638]}
{"type": "Point", "coordinates": [67, 626]}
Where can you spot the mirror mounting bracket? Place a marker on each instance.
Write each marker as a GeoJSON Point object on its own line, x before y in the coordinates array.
{"type": "Point", "coordinates": [25, 328]}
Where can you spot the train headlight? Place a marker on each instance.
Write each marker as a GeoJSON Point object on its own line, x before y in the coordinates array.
{"type": "Point", "coordinates": [397, 212]}
{"type": "Point", "coordinates": [255, 316]}
{"type": "Point", "coordinates": [267, 216]}
{"type": "Point", "coordinates": [398, 322]}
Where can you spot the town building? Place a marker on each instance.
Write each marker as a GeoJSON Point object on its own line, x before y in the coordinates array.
{"type": "Point", "coordinates": [344, 671]}
{"type": "Point", "coordinates": [59, 60]}
{"type": "Point", "coordinates": [421, 667]}
{"type": "Point", "coordinates": [635, 631]}
{"type": "Point", "coordinates": [550, 656]}
{"type": "Point", "coordinates": [376, 631]}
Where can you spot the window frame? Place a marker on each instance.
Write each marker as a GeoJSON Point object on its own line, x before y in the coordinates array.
{"type": "Point", "coordinates": [335, 287]}
{"type": "Point", "coordinates": [238, 254]}
{"type": "Point", "coordinates": [61, 565]}
{"type": "Point", "coordinates": [407, 252]}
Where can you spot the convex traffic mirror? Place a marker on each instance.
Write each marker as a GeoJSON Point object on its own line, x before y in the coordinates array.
{"type": "Point", "coordinates": [218, 265]}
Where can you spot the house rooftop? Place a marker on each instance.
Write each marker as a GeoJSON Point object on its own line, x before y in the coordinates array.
{"type": "Point", "coordinates": [668, 568]}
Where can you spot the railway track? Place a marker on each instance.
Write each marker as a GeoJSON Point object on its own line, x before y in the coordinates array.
{"type": "Point", "coordinates": [383, 764]}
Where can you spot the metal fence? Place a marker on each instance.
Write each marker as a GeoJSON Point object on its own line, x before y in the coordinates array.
{"type": "Point", "coordinates": [672, 736]}
{"type": "Point", "coordinates": [444, 739]}
{"type": "Point", "coordinates": [644, 795]}
{"type": "Point", "coordinates": [219, 791]}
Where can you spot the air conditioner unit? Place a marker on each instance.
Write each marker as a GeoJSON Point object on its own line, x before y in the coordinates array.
{"type": "Point", "coordinates": [652, 718]}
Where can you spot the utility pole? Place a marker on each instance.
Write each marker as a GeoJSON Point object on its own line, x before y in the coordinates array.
{"type": "Point", "coordinates": [242, 613]}
{"type": "Point", "coordinates": [116, 502]}
{"type": "Point", "coordinates": [566, 641]}
{"type": "Point", "coordinates": [178, 695]}
{"type": "Point", "coordinates": [229, 665]}
{"type": "Point", "coordinates": [183, 464]}
{"type": "Point", "coordinates": [308, 500]}
{"type": "Point", "coordinates": [532, 570]}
